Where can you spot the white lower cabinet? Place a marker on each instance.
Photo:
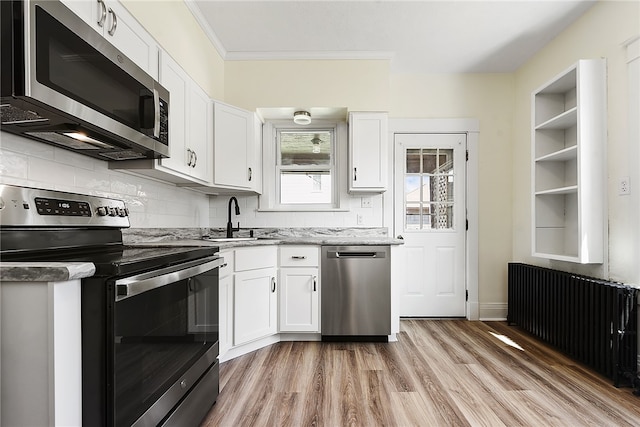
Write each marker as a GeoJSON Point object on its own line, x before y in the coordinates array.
{"type": "Point", "coordinates": [299, 289]}
{"type": "Point", "coordinates": [41, 340]}
{"type": "Point", "coordinates": [225, 302]}
{"type": "Point", "coordinates": [254, 300]}
{"type": "Point", "coordinates": [255, 305]}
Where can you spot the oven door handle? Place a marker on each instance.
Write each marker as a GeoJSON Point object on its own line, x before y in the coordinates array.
{"type": "Point", "coordinates": [135, 285]}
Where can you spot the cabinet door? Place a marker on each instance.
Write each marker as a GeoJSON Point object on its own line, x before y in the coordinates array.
{"type": "Point", "coordinates": [116, 24]}
{"type": "Point", "coordinates": [225, 297]}
{"type": "Point", "coordinates": [255, 305]}
{"type": "Point", "coordinates": [173, 78]}
{"type": "Point", "coordinates": [368, 152]}
{"type": "Point", "coordinates": [199, 131]}
{"type": "Point", "coordinates": [126, 34]}
{"type": "Point", "coordinates": [299, 302]}
{"type": "Point", "coordinates": [233, 128]}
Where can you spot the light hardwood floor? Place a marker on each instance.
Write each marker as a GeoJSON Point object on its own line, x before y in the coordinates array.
{"type": "Point", "coordinates": [439, 373]}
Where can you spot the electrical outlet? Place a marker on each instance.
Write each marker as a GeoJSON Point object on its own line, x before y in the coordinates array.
{"type": "Point", "coordinates": [623, 186]}
{"type": "Point", "coordinates": [359, 219]}
{"type": "Point", "coordinates": [365, 202]}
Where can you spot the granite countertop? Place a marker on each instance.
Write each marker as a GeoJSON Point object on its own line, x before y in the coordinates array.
{"type": "Point", "coordinates": [60, 271]}
{"type": "Point", "coordinates": [33, 271]}
{"type": "Point", "coordinates": [333, 241]}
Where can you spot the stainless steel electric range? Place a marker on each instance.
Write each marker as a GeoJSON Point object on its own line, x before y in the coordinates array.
{"type": "Point", "coordinates": [149, 315]}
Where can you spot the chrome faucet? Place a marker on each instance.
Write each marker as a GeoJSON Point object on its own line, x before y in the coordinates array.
{"type": "Point", "coordinates": [230, 228]}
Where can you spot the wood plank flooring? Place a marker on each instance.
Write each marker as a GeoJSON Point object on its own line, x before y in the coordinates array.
{"type": "Point", "coordinates": [439, 373]}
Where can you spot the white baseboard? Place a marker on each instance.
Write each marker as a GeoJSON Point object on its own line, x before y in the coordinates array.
{"type": "Point", "coordinates": [493, 311]}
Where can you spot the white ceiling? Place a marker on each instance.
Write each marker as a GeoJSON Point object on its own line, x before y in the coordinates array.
{"type": "Point", "coordinates": [424, 36]}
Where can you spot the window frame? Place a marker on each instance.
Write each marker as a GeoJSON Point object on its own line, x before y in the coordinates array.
{"type": "Point", "coordinates": [269, 200]}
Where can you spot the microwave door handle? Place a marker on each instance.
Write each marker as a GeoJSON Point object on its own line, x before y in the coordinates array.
{"type": "Point", "coordinates": [156, 106]}
{"type": "Point", "coordinates": [136, 285]}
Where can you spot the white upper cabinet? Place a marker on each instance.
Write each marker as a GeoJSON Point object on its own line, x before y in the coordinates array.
{"type": "Point", "coordinates": [190, 132]}
{"type": "Point", "coordinates": [121, 29]}
{"type": "Point", "coordinates": [368, 152]}
{"type": "Point", "coordinates": [190, 124]}
{"type": "Point", "coordinates": [568, 172]}
{"type": "Point", "coordinates": [234, 147]}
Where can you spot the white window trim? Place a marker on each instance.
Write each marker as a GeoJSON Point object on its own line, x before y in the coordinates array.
{"type": "Point", "coordinates": [267, 201]}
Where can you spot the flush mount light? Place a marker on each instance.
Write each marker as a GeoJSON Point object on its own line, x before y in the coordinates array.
{"type": "Point", "coordinates": [302, 117]}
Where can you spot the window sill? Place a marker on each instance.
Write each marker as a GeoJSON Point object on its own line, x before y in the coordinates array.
{"type": "Point", "coordinates": [303, 209]}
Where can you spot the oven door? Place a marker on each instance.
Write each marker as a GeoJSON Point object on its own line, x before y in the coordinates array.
{"type": "Point", "coordinates": [165, 338]}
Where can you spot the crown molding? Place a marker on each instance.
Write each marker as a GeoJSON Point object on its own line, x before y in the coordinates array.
{"type": "Point", "coordinates": [304, 55]}
{"type": "Point", "coordinates": [215, 41]}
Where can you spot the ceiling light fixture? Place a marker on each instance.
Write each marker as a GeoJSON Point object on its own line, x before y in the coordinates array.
{"type": "Point", "coordinates": [316, 144]}
{"type": "Point", "coordinates": [302, 117]}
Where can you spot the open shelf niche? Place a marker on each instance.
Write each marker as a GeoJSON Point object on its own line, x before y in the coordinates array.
{"type": "Point", "coordinates": [568, 140]}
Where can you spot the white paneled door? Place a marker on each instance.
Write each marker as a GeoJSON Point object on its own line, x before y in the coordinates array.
{"type": "Point", "coordinates": [430, 214]}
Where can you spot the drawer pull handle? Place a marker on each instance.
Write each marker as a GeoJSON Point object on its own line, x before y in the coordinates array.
{"type": "Point", "coordinates": [298, 257]}
{"type": "Point", "coordinates": [315, 282]}
{"type": "Point", "coordinates": [273, 284]}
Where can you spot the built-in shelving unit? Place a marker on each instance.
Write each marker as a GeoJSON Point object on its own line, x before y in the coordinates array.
{"type": "Point", "coordinates": [568, 171]}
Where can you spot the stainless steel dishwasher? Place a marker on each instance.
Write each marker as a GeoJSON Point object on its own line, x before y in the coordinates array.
{"type": "Point", "coordinates": [356, 293]}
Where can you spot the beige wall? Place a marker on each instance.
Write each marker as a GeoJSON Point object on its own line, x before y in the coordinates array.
{"type": "Point", "coordinates": [488, 98]}
{"type": "Point", "coordinates": [358, 85]}
{"type": "Point", "coordinates": [173, 26]}
{"type": "Point", "coordinates": [600, 32]}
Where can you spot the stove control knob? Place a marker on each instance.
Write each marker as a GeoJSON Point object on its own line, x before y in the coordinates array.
{"type": "Point", "coordinates": [122, 212]}
{"type": "Point", "coordinates": [102, 211]}
{"type": "Point", "coordinates": [112, 211]}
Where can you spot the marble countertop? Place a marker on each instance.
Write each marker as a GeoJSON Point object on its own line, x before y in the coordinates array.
{"type": "Point", "coordinates": [311, 240]}
{"type": "Point", "coordinates": [33, 271]}
{"type": "Point", "coordinates": [60, 271]}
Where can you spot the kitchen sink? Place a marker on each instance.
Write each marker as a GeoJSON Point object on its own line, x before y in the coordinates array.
{"type": "Point", "coordinates": [229, 239]}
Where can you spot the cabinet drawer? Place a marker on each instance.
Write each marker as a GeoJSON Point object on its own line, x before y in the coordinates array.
{"type": "Point", "coordinates": [299, 256]}
{"type": "Point", "coordinates": [254, 258]}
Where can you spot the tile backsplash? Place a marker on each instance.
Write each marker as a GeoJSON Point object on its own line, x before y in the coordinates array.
{"type": "Point", "coordinates": [156, 204]}
{"type": "Point", "coordinates": [151, 203]}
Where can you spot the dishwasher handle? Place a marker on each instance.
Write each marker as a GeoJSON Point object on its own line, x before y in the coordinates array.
{"type": "Point", "coordinates": [356, 254]}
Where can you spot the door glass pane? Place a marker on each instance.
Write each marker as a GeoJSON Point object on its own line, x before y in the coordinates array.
{"type": "Point", "coordinates": [445, 160]}
{"type": "Point", "coordinates": [429, 164]}
{"type": "Point", "coordinates": [412, 218]}
{"type": "Point", "coordinates": [413, 161]}
{"type": "Point", "coordinates": [305, 148]}
{"type": "Point", "coordinates": [412, 188]}
{"type": "Point", "coordinates": [441, 217]}
{"type": "Point", "coordinates": [429, 185]}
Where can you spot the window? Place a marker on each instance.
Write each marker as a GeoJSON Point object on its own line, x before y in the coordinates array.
{"type": "Point", "coordinates": [301, 166]}
{"type": "Point", "coordinates": [305, 165]}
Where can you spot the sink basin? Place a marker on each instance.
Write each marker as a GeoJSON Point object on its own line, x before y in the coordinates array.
{"type": "Point", "coordinates": [229, 239]}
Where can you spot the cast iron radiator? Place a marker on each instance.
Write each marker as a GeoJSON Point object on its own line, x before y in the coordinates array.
{"type": "Point", "coordinates": [593, 321]}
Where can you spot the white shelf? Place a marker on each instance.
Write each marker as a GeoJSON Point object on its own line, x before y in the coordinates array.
{"type": "Point", "coordinates": [563, 120]}
{"type": "Point", "coordinates": [568, 153]}
{"type": "Point", "coordinates": [568, 171]}
{"type": "Point", "coordinates": [562, 190]}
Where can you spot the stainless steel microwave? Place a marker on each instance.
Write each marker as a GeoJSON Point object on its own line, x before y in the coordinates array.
{"type": "Point", "coordinates": [62, 83]}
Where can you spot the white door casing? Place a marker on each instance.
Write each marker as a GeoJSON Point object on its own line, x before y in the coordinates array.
{"type": "Point", "coordinates": [430, 213]}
